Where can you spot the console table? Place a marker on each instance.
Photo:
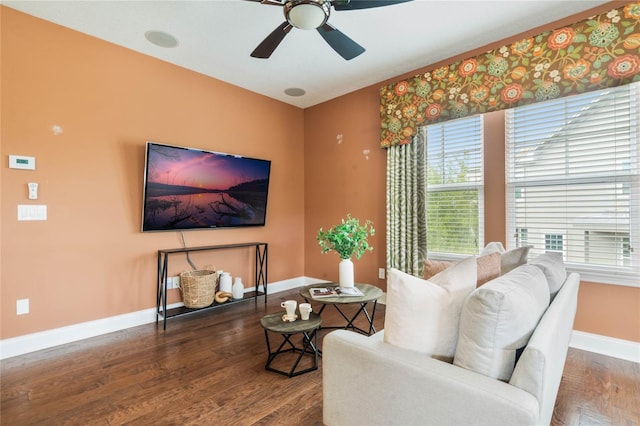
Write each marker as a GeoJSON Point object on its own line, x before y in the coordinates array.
{"type": "Point", "coordinates": [163, 263]}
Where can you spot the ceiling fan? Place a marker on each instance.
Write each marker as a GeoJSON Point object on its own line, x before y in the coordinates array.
{"type": "Point", "coordinates": [313, 15]}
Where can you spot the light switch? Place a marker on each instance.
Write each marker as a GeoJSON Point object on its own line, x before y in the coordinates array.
{"type": "Point", "coordinates": [33, 190]}
{"type": "Point", "coordinates": [32, 212]}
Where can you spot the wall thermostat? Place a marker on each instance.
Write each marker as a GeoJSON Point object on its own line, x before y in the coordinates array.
{"type": "Point", "coordinates": [22, 162]}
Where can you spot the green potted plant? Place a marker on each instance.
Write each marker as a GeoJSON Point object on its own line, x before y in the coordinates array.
{"type": "Point", "coordinates": [348, 239]}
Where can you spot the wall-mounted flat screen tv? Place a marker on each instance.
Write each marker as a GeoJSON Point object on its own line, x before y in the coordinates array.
{"type": "Point", "coordinates": [186, 188]}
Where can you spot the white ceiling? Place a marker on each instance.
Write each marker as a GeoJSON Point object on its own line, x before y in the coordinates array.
{"type": "Point", "coordinates": [216, 37]}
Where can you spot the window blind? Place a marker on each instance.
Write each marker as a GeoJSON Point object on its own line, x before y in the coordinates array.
{"type": "Point", "coordinates": [572, 181]}
{"type": "Point", "coordinates": [455, 208]}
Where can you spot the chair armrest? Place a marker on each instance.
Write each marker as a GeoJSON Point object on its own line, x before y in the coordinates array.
{"type": "Point", "coordinates": [367, 381]}
{"type": "Point", "coordinates": [539, 370]}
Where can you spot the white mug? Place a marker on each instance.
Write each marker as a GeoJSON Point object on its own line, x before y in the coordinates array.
{"type": "Point", "coordinates": [305, 310]}
{"type": "Point", "coordinates": [290, 306]}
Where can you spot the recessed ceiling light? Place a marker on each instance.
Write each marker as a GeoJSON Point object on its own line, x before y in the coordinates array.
{"type": "Point", "coordinates": [160, 38]}
{"type": "Point", "coordinates": [294, 91]}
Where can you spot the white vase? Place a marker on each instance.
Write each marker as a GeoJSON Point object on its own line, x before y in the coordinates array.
{"type": "Point", "coordinates": [345, 269]}
{"type": "Point", "coordinates": [238, 288]}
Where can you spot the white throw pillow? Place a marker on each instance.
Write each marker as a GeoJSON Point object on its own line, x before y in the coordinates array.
{"type": "Point", "coordinates": [423, 315]}
{"type": "Point", "coordinates": [498, 318]}
{"type": "Point", "coordinates": [492, 247]}
{"type": "Point", "coordinates": [552, 266]}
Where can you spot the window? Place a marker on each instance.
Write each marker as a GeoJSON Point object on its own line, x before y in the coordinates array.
{"type": "Point", "coordinates": [522, 236]}
{"type": "Point", "coordinates": [454, 188]}
{"type": "Point", "coordinates": [573, 181]}
{"type": "Point", "coordinates": [553, 242]}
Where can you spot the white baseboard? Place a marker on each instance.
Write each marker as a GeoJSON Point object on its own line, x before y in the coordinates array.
{"type": "Point", "coordinates": [292, 283]}
{"type": "Point", "coordinates": [59, 336]}
{"type": "Point", "coordinates": [604, 345]}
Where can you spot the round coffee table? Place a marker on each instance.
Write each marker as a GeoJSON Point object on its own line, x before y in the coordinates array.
{"type": "Point", "coordinates": [273, 323]}
{"type": "Point", "coordinates": [370, 294]}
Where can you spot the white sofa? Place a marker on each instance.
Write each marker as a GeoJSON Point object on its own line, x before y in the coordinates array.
{"type": "Point", "coordinates": [367, 381]}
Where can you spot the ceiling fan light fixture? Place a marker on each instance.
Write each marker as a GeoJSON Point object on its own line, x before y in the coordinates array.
{"type": "Point", "coordinates": [307, 14]}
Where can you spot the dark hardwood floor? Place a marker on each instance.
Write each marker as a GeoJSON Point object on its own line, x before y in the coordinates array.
{"type": "Point", "coordinates": [208, 368]}
{"type": "Point", "coordinates": [598, 390]}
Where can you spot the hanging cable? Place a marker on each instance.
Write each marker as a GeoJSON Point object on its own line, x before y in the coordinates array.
{"type": "Point", "coordinates": [184, 245]}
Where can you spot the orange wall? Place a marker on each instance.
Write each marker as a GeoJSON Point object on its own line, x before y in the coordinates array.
{"type": "Point", "coordinates": [344, 173]}
{"type": "Point", "coordinates": [338, 181]}
{"type": "Point", "coordinates": [89, 260]}
{"type": "Point", "coordinates": [1, 126]}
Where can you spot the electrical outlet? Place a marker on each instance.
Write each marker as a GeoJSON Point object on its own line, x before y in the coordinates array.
{"type": "Point", "coordinates": [22, 306]}
{"type": "Point", "coordinates": [381, 273]}
{"type": "Point", "coordinates": [173, 282]}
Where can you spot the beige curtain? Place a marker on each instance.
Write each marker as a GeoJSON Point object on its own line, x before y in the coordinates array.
{"type": "Point", "coordinates": [406, 205]}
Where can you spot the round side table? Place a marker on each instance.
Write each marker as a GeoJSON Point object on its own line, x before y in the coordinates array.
{"type": "Point", "coordinates": [370, 294]}
{"type": "Point", "coordinates": [273, 323]}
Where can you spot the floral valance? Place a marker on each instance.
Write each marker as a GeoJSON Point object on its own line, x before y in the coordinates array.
{"type": "Point", "coordinates": [602, 51]}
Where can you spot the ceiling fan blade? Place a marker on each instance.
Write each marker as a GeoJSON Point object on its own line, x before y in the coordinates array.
{"type": "Point", "coordinates": [342, 44]}
{"type": "Point", "coordinates": [269, 44]}
{"type": "Point", "coordinates": [363, 4]}
{"type": "Point", "coordinates": [268, 2]}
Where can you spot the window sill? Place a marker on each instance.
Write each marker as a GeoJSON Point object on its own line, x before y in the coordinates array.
{"type": "Point", "coordinates": [610, 278]}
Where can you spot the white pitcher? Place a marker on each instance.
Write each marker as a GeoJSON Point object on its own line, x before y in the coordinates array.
{"type": "Point", "coordinates": [225, 282]}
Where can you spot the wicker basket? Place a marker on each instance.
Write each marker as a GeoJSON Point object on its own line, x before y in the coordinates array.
{"type": "Point", "coordinates": [198, 288]}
